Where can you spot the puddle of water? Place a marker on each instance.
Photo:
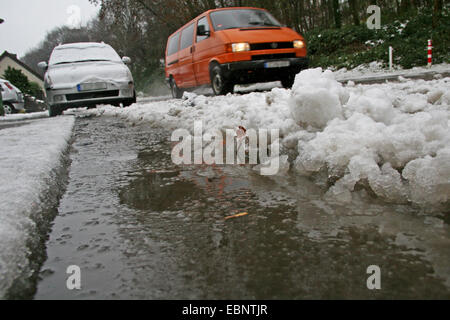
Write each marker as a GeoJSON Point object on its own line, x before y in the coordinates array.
{"type": "Point", "coordinates": [142, 228]}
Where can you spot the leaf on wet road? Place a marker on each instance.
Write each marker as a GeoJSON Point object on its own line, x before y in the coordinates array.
{"type": "Point", "coordinates": [237, 215]}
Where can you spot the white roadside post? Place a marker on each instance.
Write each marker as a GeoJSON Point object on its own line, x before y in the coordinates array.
{"type": "Point", "coordinates": [391, 58]}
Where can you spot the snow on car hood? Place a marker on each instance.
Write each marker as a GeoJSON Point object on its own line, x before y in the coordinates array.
{"type": "Point", "coordinates": [70, 75]}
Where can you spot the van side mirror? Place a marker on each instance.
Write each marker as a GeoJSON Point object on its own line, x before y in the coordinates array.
{"type": "Point", "coordinates": [126, 60]}
{"type": "Point", "coordinates": [43, 65]}
{"type": "Point", "coordinates": [201, 31]}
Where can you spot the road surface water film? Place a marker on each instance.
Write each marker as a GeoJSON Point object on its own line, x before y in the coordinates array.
{"type": "Point", "coordinates": [140, 227]}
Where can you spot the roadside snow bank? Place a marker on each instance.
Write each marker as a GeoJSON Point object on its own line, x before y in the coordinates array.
{"type": "Point", "coordinates": [375, 69]}
{"type": "Point", "coordinates": [24, 116]}
{"type": "Point", "coordinates": [398, 155]}
{"type": "Point", "coordinates": [392, 139]}
{"type": "Point", "coordinates": [29, 154]}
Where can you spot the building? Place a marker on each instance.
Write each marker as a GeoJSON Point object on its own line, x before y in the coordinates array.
{"type": "Point", "coordinates": [10, 60]}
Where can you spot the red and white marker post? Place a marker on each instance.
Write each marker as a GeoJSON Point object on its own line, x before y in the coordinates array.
{"type": "Point", "coordinates": [430, 53]}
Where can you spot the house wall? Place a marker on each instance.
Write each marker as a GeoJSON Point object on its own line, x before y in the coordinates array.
{"type": "Point", "coordinates": [8, 62]}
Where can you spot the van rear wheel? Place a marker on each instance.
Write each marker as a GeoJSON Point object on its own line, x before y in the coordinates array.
{"type": "Point", "coordinates": [177, 93]}
{"type": "Point", "coordinates": [219, 84]}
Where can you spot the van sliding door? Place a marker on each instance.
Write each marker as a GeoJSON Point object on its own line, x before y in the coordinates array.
{"type": "Point", "coordinates": [185, 65]}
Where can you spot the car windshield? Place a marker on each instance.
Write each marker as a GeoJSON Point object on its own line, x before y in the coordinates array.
{"type": "Point", "coordinates": [242, 18]}
{"type": "Point", "coordinates": [83, 54]}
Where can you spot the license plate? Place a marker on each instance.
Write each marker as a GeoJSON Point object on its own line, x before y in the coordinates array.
{"type": "Point", "coordinates": [277, 64]}
{"type": "Point", "coordinates": [91, 86]}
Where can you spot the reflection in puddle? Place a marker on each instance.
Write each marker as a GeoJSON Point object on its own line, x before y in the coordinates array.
{"type": "Point", "coordinates": [158, 191]}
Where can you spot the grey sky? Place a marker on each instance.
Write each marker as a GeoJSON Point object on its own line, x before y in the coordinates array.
{"type": "Point", "coordinates": [28, 21]}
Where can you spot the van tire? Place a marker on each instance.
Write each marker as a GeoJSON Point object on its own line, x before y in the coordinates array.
{"type": "Point", "coordinates": [220, 85]}
{"type": "Point", "coordinates": [288, 81]}
{"type": "Point", "coordinates": [177, 93]}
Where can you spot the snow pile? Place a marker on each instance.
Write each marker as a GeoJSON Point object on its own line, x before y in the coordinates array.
{"type": "Point", "coordinates": [398, 155]}
{"type": "Point", "coordinates": [29, 155]}
{"type": "Point", "coordinates": [392, 139]}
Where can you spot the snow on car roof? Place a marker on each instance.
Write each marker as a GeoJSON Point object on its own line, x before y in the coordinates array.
{"type": "Point", "coordinates": [83, 45]}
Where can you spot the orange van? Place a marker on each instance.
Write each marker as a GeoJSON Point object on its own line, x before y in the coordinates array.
{"type": "Point", "coordinates": [229, 46]}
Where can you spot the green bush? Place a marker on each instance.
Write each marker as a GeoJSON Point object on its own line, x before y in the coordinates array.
{"type": "Point", "coordinates": [350, 46]}
{"type": "Point", "coordinates": [17, 78]}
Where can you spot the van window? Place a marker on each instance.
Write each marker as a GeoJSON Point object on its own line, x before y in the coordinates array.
{"type": "Point", "coordinates": [173, 44]}
{"type": "Point", "coordinates": [242, 18]}
{"type": "Point", "coordinates": [203, 22]}
{"type": "Point", "coordinates": [187, 37]}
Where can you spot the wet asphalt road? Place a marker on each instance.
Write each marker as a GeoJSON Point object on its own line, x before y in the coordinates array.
{"type": "Point", "coordinates": [140, 227]}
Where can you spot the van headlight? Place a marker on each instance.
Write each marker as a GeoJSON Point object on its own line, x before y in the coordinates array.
{"type": "Point", "coordinates": [299, 44]}
{"type": "Point", "coordinates": [240, 47]}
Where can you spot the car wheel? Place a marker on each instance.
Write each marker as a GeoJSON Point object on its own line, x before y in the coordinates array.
{"type": "Point", "coordinates": [219, 84]}
{"type": "Point", "coordinates": [177, 93]}
{"type": "Point", "coordinates": [288, 82]}
{"type": "Point", "coordinates": [129, 102]}
{"type": "Point", "coordinates": [54, 111]}
{"type": "Point", "coordinates": [9, 109]}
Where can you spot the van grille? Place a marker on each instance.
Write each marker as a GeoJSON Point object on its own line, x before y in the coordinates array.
{"type": "Point", "coordinates": [273, 56]}
{"type": "Point", "coordinates": [92, 95]}
{"type": "Point", "coordinates": [271, 45]}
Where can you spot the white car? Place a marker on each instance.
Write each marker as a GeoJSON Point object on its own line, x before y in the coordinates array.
{"type": "Point", "coordinates": [12, 97]}
{"type": "Point", "coordinates": [85, 75]}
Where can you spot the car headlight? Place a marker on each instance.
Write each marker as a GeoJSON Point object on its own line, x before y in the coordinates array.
{"type": "Point", "coordinates": [299, 44]}
{"type": "Point", "coordinates": [240, 47]}
{"type": "Point", "coordinates": [58, 98]}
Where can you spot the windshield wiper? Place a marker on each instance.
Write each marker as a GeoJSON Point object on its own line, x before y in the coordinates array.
{"type": "Point", "coordinates": [261, 23]}
{"type": "Point", "coordinates": [227, 28]}
{"type": "Point", "coordinates": [79, 61]}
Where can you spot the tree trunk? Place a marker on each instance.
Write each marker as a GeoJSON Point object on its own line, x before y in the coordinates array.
{"type": "Point", "coordinates": [354, 9]}
{"type": "Point", "coordinates": [437, 11]}
{"type": "Point", "coordinates": [337, 14]}
{"type": "Point", "coordinates": [404, 6]}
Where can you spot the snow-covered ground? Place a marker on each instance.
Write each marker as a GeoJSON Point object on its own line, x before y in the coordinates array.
{"type": "Point", "coordinates": [393, 138]}
{"type": "Point", "coordinates": [29, 155]}
{"type": "Point", "coordinates": [376, 69]}
{"type": "Point", "coordinates": [24, 116]}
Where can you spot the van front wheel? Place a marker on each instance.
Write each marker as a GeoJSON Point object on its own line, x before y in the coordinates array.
{"type": "Point", "coordinates": [176, 92]}
{"type": "Point", "coordinates": [288, 81]}
{"type": "Point", "coordinates": [219, 84]}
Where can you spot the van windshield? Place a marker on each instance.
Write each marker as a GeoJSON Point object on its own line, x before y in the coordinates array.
{"type": "Point", "coordinates": [82, 54]}
{"type": "Point", "coordinates": [242, 18]}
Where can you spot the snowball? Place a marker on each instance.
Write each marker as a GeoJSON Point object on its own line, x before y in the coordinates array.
{"type": "Point", "coordinates": [317, 98]}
